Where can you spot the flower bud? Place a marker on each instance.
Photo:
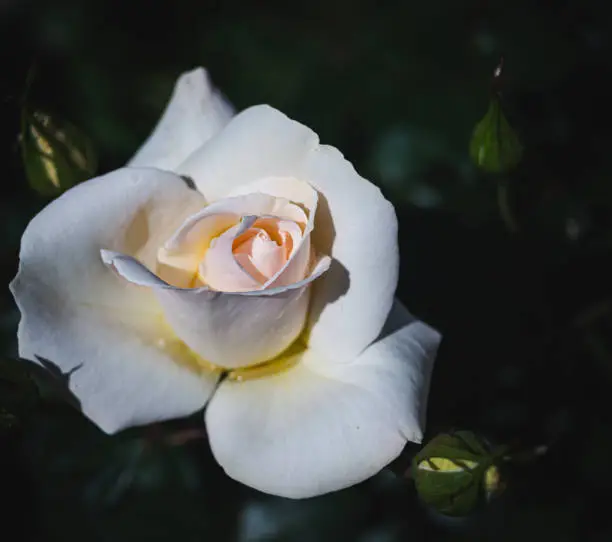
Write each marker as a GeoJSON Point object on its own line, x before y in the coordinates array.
{"type": "Point", "coordinates": [456, 472]}
{"type": "Point", "coordinates": [495, 146]}
{"type": "Point", "coordinates": [56, 155]}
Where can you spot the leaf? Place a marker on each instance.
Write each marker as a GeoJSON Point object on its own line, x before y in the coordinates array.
{"type": "Point", "coordinates": [56, 155]}
{"type": "Point", "coordinates": [495, 146]}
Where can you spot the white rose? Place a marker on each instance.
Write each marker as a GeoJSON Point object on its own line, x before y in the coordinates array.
{"type": "Point", "coordinates": [268, 292]}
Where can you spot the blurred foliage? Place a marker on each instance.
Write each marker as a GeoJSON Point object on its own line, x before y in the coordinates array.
{"type": "Point", "coordinates": [56, 154]}
{"type": "Point", "coordinates": [399, 88]}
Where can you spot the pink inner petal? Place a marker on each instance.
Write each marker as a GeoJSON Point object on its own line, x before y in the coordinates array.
{"type": "Point", "coordinates": [253, 254]}
{"type": "Point", "coordinates": [220, 270]}
{"type": "Point", "coordinates": [262, 250]}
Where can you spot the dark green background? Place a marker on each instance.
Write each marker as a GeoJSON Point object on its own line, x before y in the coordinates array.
{"type": "Point", "coordinates": [398, 87]}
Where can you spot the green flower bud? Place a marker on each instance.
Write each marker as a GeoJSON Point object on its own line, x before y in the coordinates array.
{"type": "Point", "coordinates": [456, 472]}
{"type": "Point", "coordinates": [56, 155]}
{"type": "Point", "coordinates": [495, 147]}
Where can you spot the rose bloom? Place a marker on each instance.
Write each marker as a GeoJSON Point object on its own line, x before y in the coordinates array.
{"type": "Point", "coordinates": [267, 293]}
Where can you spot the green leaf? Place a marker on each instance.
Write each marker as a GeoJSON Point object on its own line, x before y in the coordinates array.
{"type": "Point", "coordinates": [56, 155]}
{"type": "Point", "coordinates": [495, 146]}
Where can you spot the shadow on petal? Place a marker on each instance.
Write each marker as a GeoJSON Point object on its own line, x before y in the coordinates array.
{"type": "Point", "coordinates": [138, 232]}
{"type": "Point", "coordinates": [324, 233]}
{"type": "Point", "coordinates": [396, 321]}
{"type": "Point", "coordinates": [328, 289]}
{"type": "Point", "coordinates": [59, 382]}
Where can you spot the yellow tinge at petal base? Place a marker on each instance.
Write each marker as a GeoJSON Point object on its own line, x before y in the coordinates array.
{"type": "Point", "coordinates": [231, 330]}
{"type": "Point", "coordinates": [172, 344]}
{"type": "Point", "coordinates": [288, 359]}
{"type": "Point", "coordinates": [179, 270]}
{"type": "Point", "coordinates": [187, 356]}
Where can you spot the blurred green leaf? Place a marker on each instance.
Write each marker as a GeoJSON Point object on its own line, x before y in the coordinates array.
{"type": "Point", "coordinates": [140, 465]}
{"type": "Point", "coordinates": [495, 146]}
{"type": "Point", "coordinates": [56, 154]}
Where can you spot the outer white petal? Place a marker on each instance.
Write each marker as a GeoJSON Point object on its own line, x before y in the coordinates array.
{"type": "Point", "coordinates": [196, 111]}
{"type": "Point", "coordinates": [261, 149]}
{"type": "Point", "coordinates": [358, 227]}
{"type": "Point", "coordinates": [258, 142]}
{"type": "Point", "coordinates": [320, 427]}
{"type": "Point", "coordinates": [227, 329]}
{"type": "Point", "coordinates": [128, 369]}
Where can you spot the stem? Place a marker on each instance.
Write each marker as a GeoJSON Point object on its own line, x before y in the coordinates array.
{"type": "Point", "coordinates": [28, 83]}
{"type": "Point", "coordinates": [505, 209]}
{"type": "Point", "coordinates": [527, 456]}
{"type": "Point", "coordinates": [183, 437]}
{"type": "Point", "coordinates": [597, 346]}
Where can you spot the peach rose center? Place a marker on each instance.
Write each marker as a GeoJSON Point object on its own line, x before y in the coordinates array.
{"type": "Point", "coordinates": [261, 251]}
{"type": "Point", "coordinates": [240, 244]}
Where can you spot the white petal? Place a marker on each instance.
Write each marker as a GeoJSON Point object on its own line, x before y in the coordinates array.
{"type": "Point", "coordinates": [357, 226]}
{"type": "Point", "coordinates": [227, 329]}
{"type": "Point", "coordinates": [257, 143]}
{"type": "Point", "coordinates": [196, 111]}
{"type": "Point", "coordinates": [75, 312]}
{"type": "Point", "coordinates": [319, 426]}
{"type": "Point", "coordinates": [264, 150]}
{"type": "Point", "coordinates": [288, 188]}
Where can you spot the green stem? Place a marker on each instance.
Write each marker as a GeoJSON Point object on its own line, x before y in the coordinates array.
{"type": "Point", "coordinates": [28, 83]}
{"type": "Point", "coordinates": [527, 456]}
{"type": "Point", "coordinates": [506, 212]}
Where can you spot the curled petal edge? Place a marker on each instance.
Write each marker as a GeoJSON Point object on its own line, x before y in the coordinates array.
{"type": "Point", "coordinates": [134, 271]}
